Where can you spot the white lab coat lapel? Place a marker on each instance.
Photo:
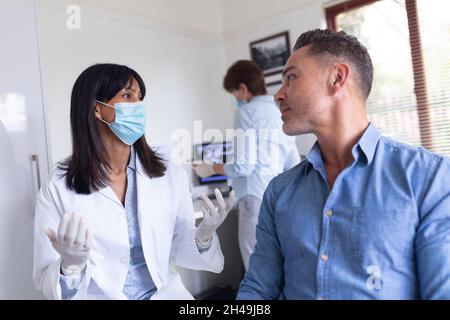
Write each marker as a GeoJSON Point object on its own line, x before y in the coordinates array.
{"type": "Point", "coordinates": [112, 289]}
{"type": "Point", "coordinates": [109, 193]}
{"type": "Point", "coordinates": [154, 221]}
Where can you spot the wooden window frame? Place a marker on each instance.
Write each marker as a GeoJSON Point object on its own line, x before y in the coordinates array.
{"type": "Point", "coordinates": [420, 88]}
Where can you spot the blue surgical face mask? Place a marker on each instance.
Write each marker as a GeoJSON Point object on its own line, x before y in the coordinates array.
{"type": "Point", "coordinates": [129, 123]}
{"type": "Point", "coordinates": [241, 103]}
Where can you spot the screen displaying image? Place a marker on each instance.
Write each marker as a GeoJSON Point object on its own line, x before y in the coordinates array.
{"type": "Point", "coordinates": [216, 152]}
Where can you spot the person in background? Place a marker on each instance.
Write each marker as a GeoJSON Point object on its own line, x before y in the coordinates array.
{"type": "Point", "coordinates": [257, 160]}
{"type": "Point", "coordinates": [114, 218]}
{"type": "Point", "coordinates": [364, 216]}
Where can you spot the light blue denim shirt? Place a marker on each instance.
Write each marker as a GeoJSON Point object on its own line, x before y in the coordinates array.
{"type": "Point", "coordinates": [382, 232]}
{"type": "Point", "coordinates": [251, 175]}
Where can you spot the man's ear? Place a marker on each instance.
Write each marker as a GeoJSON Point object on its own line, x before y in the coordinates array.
{"type": "Point", "coordinates": [339, 76]}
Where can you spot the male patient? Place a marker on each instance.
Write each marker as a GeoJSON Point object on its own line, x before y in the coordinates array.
{"type": "Point", "coordinates": [364, 216]}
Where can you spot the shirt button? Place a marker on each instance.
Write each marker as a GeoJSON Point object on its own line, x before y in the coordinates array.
{"type": "Point", "coordinates": [324, 257]}
{"type": "Point", "coordinates": [329, 213]}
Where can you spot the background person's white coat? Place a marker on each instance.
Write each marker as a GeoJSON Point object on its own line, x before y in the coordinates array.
{"type": "Point", "coordinates": [167, 226]}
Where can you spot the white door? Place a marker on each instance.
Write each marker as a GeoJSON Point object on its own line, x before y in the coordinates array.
{"type": "Point", "coordinates": [22, 146]}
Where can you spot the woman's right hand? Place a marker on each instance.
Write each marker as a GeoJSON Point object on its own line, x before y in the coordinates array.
{"type": "Point", "coordinates": [72, 242]}
{"type": "Point", "coordinates": [213, 216]}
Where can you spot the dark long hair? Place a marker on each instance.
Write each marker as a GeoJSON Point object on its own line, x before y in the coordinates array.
{"type": "Point", "coordinates": [86, 170]}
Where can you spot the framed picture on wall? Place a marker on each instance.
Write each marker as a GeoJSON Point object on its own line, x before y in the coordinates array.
{"type": "Point", "coordinates": [271, 53]}
{"type": "Point", "coordinates": [273, 87]}
{"type": "Point", "coordinates": [273, 83]}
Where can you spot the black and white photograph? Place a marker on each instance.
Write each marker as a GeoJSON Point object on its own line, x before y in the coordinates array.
{"type": "Point", "coordinates": [273, 83]}
{"type": "Point", "coordinates": [271, 53]}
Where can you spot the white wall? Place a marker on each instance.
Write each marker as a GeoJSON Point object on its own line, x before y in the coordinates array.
{"type": "Point", "coordinates": [194, 16]}
{"type": "Point", "coordinates": [241, 15]}
{"type": "Point", "coordinates": [181, 48]}
{"type": "Point", "coordinates": [250, 20]}
{"type": "Point", "coordinates": [181, 57]}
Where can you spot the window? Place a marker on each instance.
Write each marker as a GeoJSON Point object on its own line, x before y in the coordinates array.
{"type": "Point", "coordinates": [409, 42]}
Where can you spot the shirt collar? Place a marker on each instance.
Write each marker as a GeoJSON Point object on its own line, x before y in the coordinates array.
{"type": "Point", "coordinates": [314, 156]}
{"type": "Point", "coordinates": [267, 98]}
{"type": "Point", "coordinates": [367, 143]}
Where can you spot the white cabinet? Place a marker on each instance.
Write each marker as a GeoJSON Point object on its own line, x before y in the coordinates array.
{"type": "Point", "coordinates": [22, 146]}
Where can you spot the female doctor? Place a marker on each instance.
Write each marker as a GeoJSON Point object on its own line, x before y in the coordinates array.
{"type": "Point", "coordinates": [114, 218]}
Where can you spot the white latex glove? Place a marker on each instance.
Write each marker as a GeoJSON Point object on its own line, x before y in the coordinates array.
{"type": "Point", "coordinates": [212, 216]}
{"type": "Point", "coordinates": [72, 242]}
{"type": "Point", "coordinates": [204, 170]}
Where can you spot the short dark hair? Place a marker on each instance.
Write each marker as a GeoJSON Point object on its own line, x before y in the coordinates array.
{"type": "Point", "coordinates": [248, 73]}
{"type": "Point", "coordinates": [86, 169]}
{"type": "Point", "coordinates": [340, 44]}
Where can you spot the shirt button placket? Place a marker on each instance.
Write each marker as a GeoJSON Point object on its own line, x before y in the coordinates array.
{"type": "Point", "coordinates": [323, 255]}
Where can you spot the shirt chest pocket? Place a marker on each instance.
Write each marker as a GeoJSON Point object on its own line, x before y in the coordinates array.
{"type": "Point", "coordinates": [382, 235]}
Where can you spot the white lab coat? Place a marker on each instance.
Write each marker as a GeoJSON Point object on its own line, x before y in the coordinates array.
{"type": "Point", "coordinates": [167, 227]}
